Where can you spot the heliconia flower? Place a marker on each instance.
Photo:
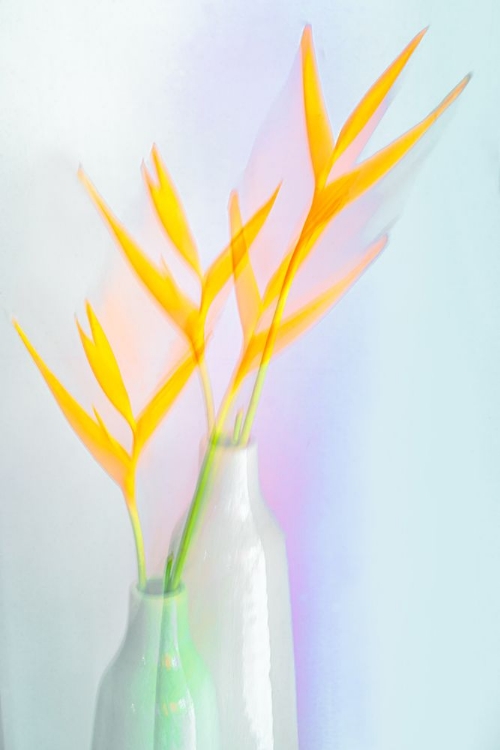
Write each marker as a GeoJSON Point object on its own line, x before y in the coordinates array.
{"type": "Point", "coordinates": [188, 316]}
{"type": "Point", "coordinates": [119, 463]}
{"type": "Point", "coordinates": [105, 367]}
{"type": "Point", "coordinates": [332, 193]}
{"type": "Point", "coordinates": [329, 199]}
{"type": "Point", "coordinates": [107, 451]}
{"type": "Point", "coordinates": [295, 324]}
{"type": "Point", "coordinates": [112, 456]}
{"type": "Point", "coordinates": [323, 149]}
{"type": "Point", "coordinates": [171, 214]}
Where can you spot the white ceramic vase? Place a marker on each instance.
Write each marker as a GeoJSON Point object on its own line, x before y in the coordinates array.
{"type": "Point", "coordinates": [157, 693]}
{"type": "Point", "coordinates": [236, 575]}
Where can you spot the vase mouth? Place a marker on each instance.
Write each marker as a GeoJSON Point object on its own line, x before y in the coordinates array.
{"type": "Point", "coordinates": [154, 589]}
{"type": "Point", "coordinates": [226, 443]}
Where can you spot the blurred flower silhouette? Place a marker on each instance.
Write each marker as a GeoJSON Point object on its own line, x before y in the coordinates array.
{"type": "Point", "coordinates": [186, 315]}
{"type": "Point", "coordinates": [118, 462]}
{"type": "Point", "coordinates": [268, 325]}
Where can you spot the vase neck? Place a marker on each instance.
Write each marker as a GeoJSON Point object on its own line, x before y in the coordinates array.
{"type": "Point", "coordinates": [235, 479]}
{"type": "Point", "coordinates": [149, 609]}
{"type": "Point", "coordinates": [175, 620]}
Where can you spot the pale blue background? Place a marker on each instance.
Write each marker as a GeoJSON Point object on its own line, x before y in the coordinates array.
{"type": "Point", "coordinates": [387, 415]}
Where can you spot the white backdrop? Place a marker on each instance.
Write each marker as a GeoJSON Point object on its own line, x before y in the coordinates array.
{"type": "Point", "coordinates": [393, 444]}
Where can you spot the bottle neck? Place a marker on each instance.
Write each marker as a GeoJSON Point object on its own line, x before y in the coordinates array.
{"type": "Point", "coordinates": [235, 478]}
{"type": "Point", "coordinates": [152, 610]}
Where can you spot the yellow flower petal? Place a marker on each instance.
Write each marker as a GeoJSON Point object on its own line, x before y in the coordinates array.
{"type": "Point", "coordinates": [105, 367]}
{"type": "Point", "coordinates": [171, 213]}
{"type": "Point", "coordinates": [351, 186]}
{"type": "Point", "coordinates": [319, 133]}
{"type": "Point", "coordinates": [163, 399]}
{"type": "Point", "coordinates": [108, 453]}
{"type": "Point", "coordinates": [347, 188]}
{"type": "Point", "coordinates": [374, 98]}
{"type": "Point", "coordinates": [275, 283]}
{"type": "Point", "coordinates": [247, 291]}
{"type": "Point", "coordinates": [160, 283]}
{"type": "Point", "coordinates": [299, 322]}
{"type": "Point", "coordinates": [221, 269]}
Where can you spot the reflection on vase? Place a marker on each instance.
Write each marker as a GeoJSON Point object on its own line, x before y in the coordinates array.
{"type": "Point", "coordinates": [128, 705]}
{"type": "Point", "coordinates": [239, 607]}
{"type": "Point", "coordinates": [186, 706]}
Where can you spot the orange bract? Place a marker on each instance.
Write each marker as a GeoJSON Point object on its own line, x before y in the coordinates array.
{"type": "Point", "coordinates": [329, 200]}
{"type": "Point", "coordinates": [109, 453]}
{"type": "Point", "coordinates": [300, 321]}
{"type": "Point", "coordinates": [105, 449]}
{"type": "Point", "coordinates": [187, 316]}
{"type": "Point", "coordinates": [221, 270]}
{"type": "Point", "coordinates": [161, 401]}
{"type": "Point", "coordinates": [247, 291]}
{"type": "Point", "coordinates": [160, 282]}
{"type": "Point", "coordinates": [374, 98]}
{"type": "Point", "coordinates": [332, 198]}
{"type": "Point", "coordinates": [352, 185]}
{"type": "Point", "coordinates": [105, 367]}
{"type": "Point", "coordinates": [319, 132]}
{"type": "Point", "coordinates": [171, 213]}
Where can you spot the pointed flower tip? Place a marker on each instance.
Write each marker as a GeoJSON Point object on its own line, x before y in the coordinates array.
{"type": "Point", "coordinates": [450, 98]}
{"type": "Point", "coordinates": [422, 33]}
{"type": "Point", "coordinates": [148, 179]}
{"type": "Point", "coordinates": [306, 40]}
{"type": "Point", "coordinates": [412, 46]}
{"type": "Point", "coordinates": [18, 329]}
{"type": "Point", "coordinates": [90, 311]}
{"type": "Point", "coordinates": [459, 87]}
{"type": "Point", "coordinates": [307, 32]}
{"type": "Point", "coordinates": [159, 166]}
{"type": "Point", "coordinates": [382, 243]}
{"type": "Point", "coordinates": [155, 155]}
{"type": "Point", "coordinates": [21, 333]}
{"type": "Point", "coordinates": [84, 179]}
{"type": "Point", "coordinates": [81, 332]}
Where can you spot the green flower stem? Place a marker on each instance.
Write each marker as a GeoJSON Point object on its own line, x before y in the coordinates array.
{"type": "Point", "coordinates": [237, 427]}
{"type": "Point", "coordinates": [173, 571]}
{"type": "Point", "coordinates": [207, 390]}
{"type": "Point", "coordinates": [270, 340]}
{"type": "Point", "coordinates": [138, 538]}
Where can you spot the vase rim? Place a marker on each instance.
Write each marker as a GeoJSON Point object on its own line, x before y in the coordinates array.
{"type": "Point", "coordinates": [227, 444]}
{"type": "Point", "coordinates": [154, 590]}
